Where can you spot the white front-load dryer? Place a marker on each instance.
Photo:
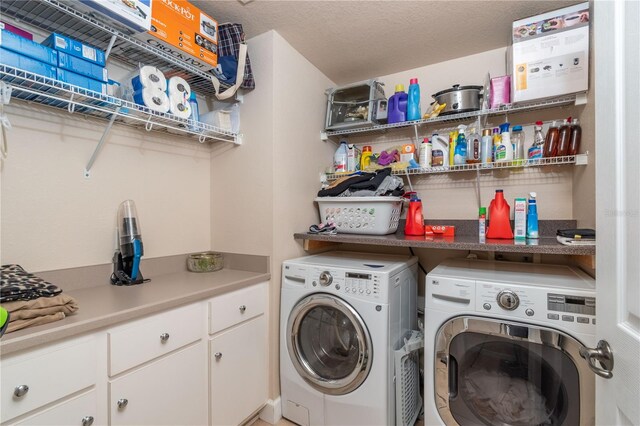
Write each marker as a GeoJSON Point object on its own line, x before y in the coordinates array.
{"type": "Point", "coordinates": [342, 316]}
{"type": "Point", "coordinates": [503, 344]}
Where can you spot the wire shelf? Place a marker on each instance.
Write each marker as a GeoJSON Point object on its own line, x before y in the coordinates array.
{"type": "Point", "coordinates": [505, 109]}
{"type": "Point", "coordinates": [580, 159]}
{"type": "Point", "coordinates": [50, 92]}
{"type": "Point", "coordinates": [57, 16]}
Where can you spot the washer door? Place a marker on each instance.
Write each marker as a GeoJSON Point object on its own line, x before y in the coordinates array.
{"type": "Point", "coordinates": [329, 344]}
{"type": "Point", "coordinates": [493, 372]}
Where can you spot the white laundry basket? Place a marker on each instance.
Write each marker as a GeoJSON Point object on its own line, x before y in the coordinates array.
{"type": "Point", "coordinates": [361, 215]}
{"type": "Point", "coordinates": [407, 368]}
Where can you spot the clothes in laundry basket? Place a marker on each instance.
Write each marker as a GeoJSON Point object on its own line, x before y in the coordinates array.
{"type": "Point", "coordinates": [505, 399]}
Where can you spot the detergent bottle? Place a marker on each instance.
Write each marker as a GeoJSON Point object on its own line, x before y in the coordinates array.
{"type": "Point", "coordinates": [365, 158]}
{"type": "Point", "coordinates": [499, 214]}
{"type": "Point", "coordinates": [397, 106]}
{"type": "Point", "coordinates": [504, 150]}
{"type": "Point", "coordinates": [413, 101]}
{"type": "Point", "coordinates": [439, 151]}
{"type": "Point", "coordinates": [414, 224]}
{"type": "Point", "coordinates": [460, 154]}
{"type": "Point", "coordinates": [340, 158]}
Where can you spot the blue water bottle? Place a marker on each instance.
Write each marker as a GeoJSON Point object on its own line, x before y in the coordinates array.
{"type": "Point", "coordinates": [413, 102]}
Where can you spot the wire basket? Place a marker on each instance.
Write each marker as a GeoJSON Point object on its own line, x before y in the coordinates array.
{"type": "Point", "coordinates": [407, 368]}
{"type": "Point", "coordinates": [361, 215]}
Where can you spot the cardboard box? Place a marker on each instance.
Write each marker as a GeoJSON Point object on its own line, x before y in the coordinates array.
{"type": "Point", "coordinates": [185, 32]}
{"type": "Point", "coordinates": [81, 81]}
{"type": "Point", "coordinates": [15, 60]}
{"type": "Point", "coordinates": [133, 14]}
{"type": "Point", "coordinates": [82, 67]}
{"type": "Point", "coordinates": [28, 48]}
{"type": "Point", "coordinates": [75, 48]}
{"type": "Point", "coordinates": [550, 54]}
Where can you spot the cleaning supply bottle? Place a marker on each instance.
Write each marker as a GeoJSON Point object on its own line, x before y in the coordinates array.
{"type": "Point", "coordinates": [504, 151]}
{"type": "Point", "coordinates": [439, 151]}
{"type": "Point", "coordinates": [413, 101]}
{"type": "Point", "coordinates": [482, 224]}
{"type": "Point", "coordinates": [486, 150]}
{"type": "Point", "coordinates": [576, 136]}
{"type": "Point", "coordinates": [496, 141]}
{"type": "Point", "coordinates": [517, 140]}
{"type": "Point", "coordinates": [473, 147]}
{"type": "Point", "coordinates": [453, 137]}
{"type": "Point", "coordinates": [340, 158]}
{"type": "Point", "coordinates": [397, 106]}
{"type": "Point", "coordinates": [460, 151]}
{"type": "Point", "coordinates": [551, 141]}
{"type": "Point", "coordinates": [425, 153]}
{"type": "Point", "coordinates": [535, 151]}
{"type": "Point", "coordinates": [564, 138]}
{"type": "Point", "coordinates": [499, 218]}
{"type": "Point", "coordinates": [532, 217]}
{"type": "Point", "coordinates": [414, 224]}
{"type": "Point", "coordinates": [365, 159]}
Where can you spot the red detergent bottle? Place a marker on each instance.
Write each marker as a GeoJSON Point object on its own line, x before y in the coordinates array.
{"type": "Point", "coordinates": [415, 221]}
{"type": "Point", "coordinates": [499, 213]}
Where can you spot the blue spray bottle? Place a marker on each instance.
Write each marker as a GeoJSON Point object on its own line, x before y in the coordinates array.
{"type": "Point", "coordinates": [532, 217]}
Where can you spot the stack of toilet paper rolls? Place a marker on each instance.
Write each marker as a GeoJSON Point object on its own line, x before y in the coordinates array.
{"type": "Point", "coordinates": [151, 89]}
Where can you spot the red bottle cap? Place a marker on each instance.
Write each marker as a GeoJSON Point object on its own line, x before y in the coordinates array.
{"type": "Point", "coordinates": [413, 81]}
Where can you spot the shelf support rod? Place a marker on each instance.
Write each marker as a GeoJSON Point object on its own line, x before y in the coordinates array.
{"type": "Point", "coordinates": [103, 139]}
{"type": "Point", "coordinates": [110, 46]}
{"type": "Point", "coordinates": [417, 144]}
{"type": "Point", "coordinates": [478, 187]}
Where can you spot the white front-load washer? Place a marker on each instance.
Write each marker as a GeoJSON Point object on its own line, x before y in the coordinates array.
{"type": "Point", "coordinates": [342, 316]}
{"type": "Point", "coordinates": [503, 342]}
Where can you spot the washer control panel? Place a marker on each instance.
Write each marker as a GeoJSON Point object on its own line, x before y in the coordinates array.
{"type": "Point", "coordinates": [574, 311]}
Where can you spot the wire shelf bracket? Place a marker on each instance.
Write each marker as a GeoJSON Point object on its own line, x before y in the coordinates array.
{"type": "Point", "coordinates": [103, 139]}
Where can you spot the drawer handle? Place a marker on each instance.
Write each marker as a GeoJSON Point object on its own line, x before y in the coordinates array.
{"type": "Point", "coordinates": [122, 402]}
{"type": "Point", "coordinates": [164, 337]}
{"type": "Point", "coordinates": [20, 391]}
{"type": "Point", "coordinates": [218, 355]}
{"type": "Point", "coordinates": [87, 420]}
{"type": "Point", "coordinates": [242, 309]}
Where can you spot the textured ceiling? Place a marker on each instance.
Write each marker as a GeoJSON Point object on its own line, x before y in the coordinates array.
{"type": "Point", "coordinates": [356, 40]}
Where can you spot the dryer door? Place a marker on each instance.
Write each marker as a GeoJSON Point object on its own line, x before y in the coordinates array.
{"type": "Point", "coordinates": [493, 372]}
{"type": "Point", "coordinates": [329, 344]}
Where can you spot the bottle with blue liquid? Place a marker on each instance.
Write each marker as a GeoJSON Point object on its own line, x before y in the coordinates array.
{"type": "Point", "coordinates": [532, 217]}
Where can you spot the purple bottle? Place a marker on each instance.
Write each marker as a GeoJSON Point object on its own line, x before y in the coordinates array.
{"type": "Point", "coordinates": [398, 106]}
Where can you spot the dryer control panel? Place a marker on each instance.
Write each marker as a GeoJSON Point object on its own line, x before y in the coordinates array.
{"type": "Point", "coordinates": [361, 284]}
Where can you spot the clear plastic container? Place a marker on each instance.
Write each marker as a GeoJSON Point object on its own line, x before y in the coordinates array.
{"type": "Point", "coordinates": [517, 140]}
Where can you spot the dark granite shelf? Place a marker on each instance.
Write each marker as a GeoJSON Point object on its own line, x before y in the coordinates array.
{"type": "Point", "coordinates": [545, 245]}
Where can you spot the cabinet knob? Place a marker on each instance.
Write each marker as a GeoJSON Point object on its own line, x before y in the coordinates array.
{"type": "Point", "coordinates": [87, 420]}
{"type": "Point", "coordinates": [122, 402]}
{"type": "Point", "coordinates": [164, 337]}
{"type": "Point", "coordinates": [20, 391]}
{"type": "Point", "coordinates": [218, 355]}
{"type": "Point", "coordinates": [242, 309]}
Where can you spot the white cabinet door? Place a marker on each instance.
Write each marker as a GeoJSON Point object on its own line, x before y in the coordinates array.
{"type": "Point", "coordinates": [238, 363]}
{"type": "Point", "coordinates": [617, 43]}
{"type": "Point", "coordinates": [169, 391]}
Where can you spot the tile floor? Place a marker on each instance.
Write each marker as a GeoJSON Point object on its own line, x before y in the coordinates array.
{"type": "Point", "coordinates": [285, 422]}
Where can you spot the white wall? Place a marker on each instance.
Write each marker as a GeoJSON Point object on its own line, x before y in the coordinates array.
{"type": "Point", "coordinates": [54, 218]}
{"type": "Point", "coordinates": [262, 191]}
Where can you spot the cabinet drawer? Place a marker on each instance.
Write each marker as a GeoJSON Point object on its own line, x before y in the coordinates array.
{"type": "Point", "coordinates": [232, 308]}
{"type": "Point", "coordinates": [78, 411]}
{"type": "Point", "coordinates": [143, 340]}
{"type": "Point", "coordinates": [49, 374]}
{"type": "Point", "coordinates": [169, 391]}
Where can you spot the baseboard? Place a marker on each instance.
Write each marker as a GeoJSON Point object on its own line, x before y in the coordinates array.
{"type": "Point", "coordinates": [272, 411]}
